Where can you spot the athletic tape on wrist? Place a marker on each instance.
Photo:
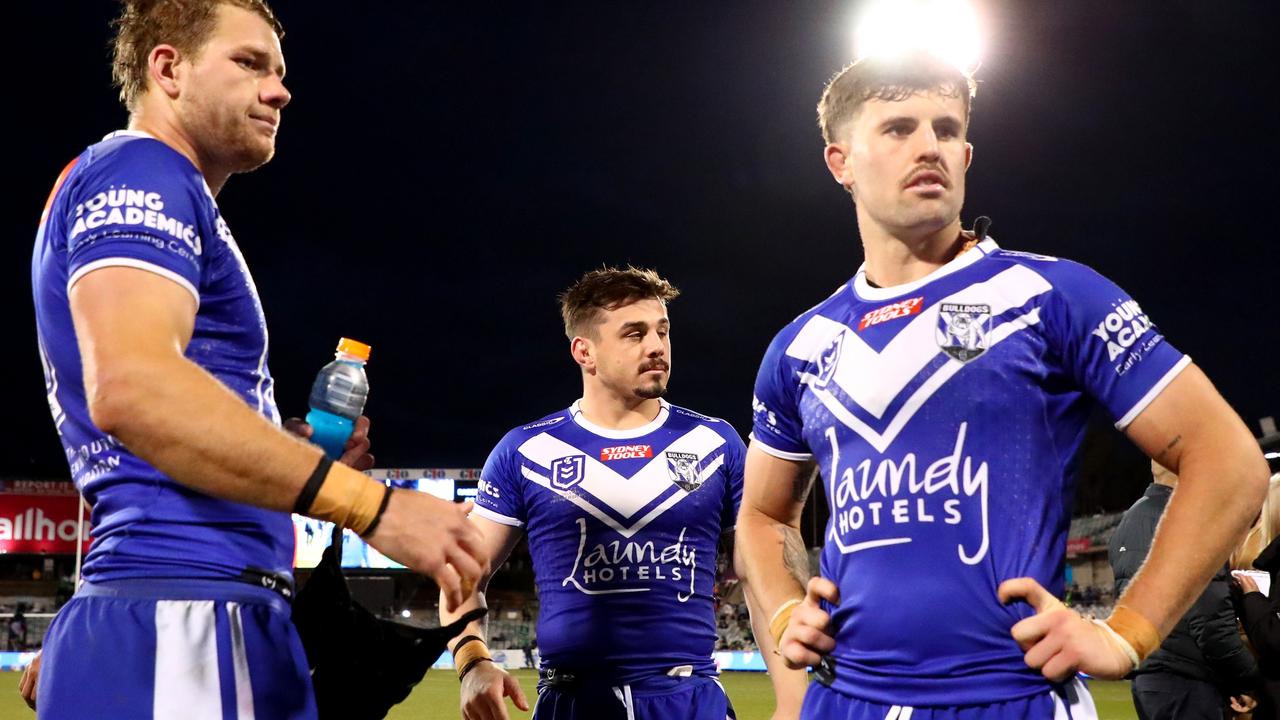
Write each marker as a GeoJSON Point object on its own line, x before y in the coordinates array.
{"type": "Point", "coordinates": [1138, 634]}
{"type": "Point", "coordinates": [382, 508]}
{"type": "Point", "coordinates": [469, 652]}
{"type": "Point", "coordinates": [343, 496]}
{"type": "Point", "coordinates": [781, 617]}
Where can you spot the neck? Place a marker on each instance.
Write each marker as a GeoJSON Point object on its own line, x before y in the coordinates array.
{"type": "Point", "coordinates": [607, 409]}
{"type": "Point", "coordinates": [164, 127]}
{"type": "Point", "coordinates": [895, 257]}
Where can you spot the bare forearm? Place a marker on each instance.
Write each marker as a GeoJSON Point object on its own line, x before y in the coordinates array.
{"type": "Point", "coordinates": [1216, 500]}
{"type": "Point", "coordinates": [771, 558]}
{"type": "Point", "coordinates": [182, 421]}
{"type": "Point", "coordinates": [788, 685]}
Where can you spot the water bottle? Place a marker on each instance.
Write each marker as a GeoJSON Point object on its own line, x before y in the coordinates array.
{"type": "Point", "coordinates": [337, 397]}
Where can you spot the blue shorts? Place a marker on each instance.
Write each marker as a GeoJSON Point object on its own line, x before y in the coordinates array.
{"type": "Point", "coordinates": [655, 698]}
{"type": "Point", "coordinates": [174, 650]}
{"type": "Point", "coordinates": [1069, 702]}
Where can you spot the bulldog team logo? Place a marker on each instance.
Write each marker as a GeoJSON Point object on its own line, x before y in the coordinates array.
{"type": "Point", "coordinates": [683, 468]}
{"type": "Point", "coordinates": [568, 471]}
{"type": "Point", "coordinates": [963, 330]}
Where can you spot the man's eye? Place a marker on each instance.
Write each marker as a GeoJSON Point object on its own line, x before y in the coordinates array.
{"type": "Point", "coordinates": [246, 63]}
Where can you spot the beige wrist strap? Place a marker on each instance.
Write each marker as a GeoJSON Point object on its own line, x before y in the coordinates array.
{"type": "Point", "coordinates": [349, 498]}
{"type": "Point", "coordinates": [781, 617]}
{"type": "Point", "coordinates": [1139, 636]}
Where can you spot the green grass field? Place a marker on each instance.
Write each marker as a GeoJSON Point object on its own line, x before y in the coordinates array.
{"type": "Point", "coordinates": [437, 698]}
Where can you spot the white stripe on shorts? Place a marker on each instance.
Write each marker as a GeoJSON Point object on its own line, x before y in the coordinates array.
{"type": "Point", "coordinates": [1080, 705]}
{"type": "Point", "coordinates": [624, 696]}
{"type": "Point", "coordinates": [186, 677]}
{"type": "Point", "coordinates": [240, 661]}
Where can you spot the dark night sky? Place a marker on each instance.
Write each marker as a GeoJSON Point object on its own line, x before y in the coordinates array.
{"type": "Point", "coordinates": [443, 172]}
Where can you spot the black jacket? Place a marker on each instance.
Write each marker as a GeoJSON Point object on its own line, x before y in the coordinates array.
{"type": "Point", "coordinates": [1262, 625]}
{"type": "Point", "coordinates": [1205, 643]}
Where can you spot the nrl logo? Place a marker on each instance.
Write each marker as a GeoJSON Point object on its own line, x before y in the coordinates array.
{"type": "Point", "coordinates": [828, 360]}
{"type": "Point", "coordinates": [963, 330]}
{"type": "Point", "coordinates": [683, 468]}
{"type": "Point", "coordinates": [567, 471]}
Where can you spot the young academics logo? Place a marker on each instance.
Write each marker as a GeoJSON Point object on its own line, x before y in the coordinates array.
{"type": "Point", "coordinates": [963, 330]}
{"type": "Point", "coordinates": [683, 468]}
{"type": "Point", "coordinates": [626, 452]}
{"type": "Point", "coordinates": [568, 471]}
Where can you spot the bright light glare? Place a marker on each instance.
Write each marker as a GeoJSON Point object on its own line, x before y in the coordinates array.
{"type": "Point", "coordinates": [945, 28]}
{"type": "Point", "coordinates": [405, 613]}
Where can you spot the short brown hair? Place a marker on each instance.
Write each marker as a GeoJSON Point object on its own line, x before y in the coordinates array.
{"type": "Point", "coordinates": [890, 80]}
{"type": "Point", "coordinates": [609, 288]}
{"type": "Point", "coordinates": [184, 24]}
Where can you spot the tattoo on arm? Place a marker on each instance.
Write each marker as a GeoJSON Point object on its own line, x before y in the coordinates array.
{"type": "Point", "coordinates": [1163, 456]}
{"type": "Point", "coordinates": [804, 483]}
{"type": "Point", "coordinates": [794, 555]}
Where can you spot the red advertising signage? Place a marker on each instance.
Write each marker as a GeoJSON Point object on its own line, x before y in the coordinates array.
{"type": "Point", "coordinates": [1077, 545]}
{"type": "Point", "coordinates": [44, 523]}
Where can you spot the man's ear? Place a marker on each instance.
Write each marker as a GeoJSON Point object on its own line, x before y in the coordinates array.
{"type": "Point", "coordinates": [164, 69]}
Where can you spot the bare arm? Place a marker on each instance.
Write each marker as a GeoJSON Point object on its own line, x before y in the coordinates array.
{"type": "Point", "coordinates": [1222, 478]}
{"type": "Point", "coordinates": [770, 554]}
{"type": "Point", "coordinates": [788, 685]}
{"type": "Point", "coordinates": [133, 327]}
{"type": "Point", "coordinates": [485, 684]}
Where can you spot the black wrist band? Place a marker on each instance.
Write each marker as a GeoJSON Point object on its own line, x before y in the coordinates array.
{"type": "Point", "coordinates": [464, 641]}
{"type": "Point", "coordinates": [377, 517]}
{"type": "Point", "coordinates": [470, 665]}
{"type": "Point", "coordinates": [312, 488]}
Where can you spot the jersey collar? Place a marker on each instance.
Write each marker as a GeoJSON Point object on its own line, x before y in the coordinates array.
{"type": "Point", "coordinates": [864, 290]}
{"type": "Point", "coordinates": [575, 412]}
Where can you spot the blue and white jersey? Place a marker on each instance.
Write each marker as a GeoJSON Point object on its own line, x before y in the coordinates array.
{"type": "Point", "coordinates": [946, 416]}
{"type": "Point", "coordinates": [623, 528]}
{"type": "Point", "coordinates": [133, 201]}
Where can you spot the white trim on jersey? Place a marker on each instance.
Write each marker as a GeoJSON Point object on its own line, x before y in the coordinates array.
{"type": "Point", "coordinates": [130, 133]}
{"type": "Point", "coordinates": [240, 664]}
{"type": "Point", "coordinates": [865, 291]}
{"type": "Point", "coordinates": [626, 496]}
{"type": "Point", "coordinates": [186, 676]}
{"type": "Point", "coordinates": [874, 380]}
{"type": "Point", "coordinates": [499, 518]}
{"type": "Point", "coordinates": [663, 411]}
{"type": "Point", "coordinates": [1081, 705]}
{"type": "Point", "coordinates": [783, 454]}
{"type": "Point", "coordinates": [137, 264]}
{"type": "Point", "coordinates": [1155, 390]}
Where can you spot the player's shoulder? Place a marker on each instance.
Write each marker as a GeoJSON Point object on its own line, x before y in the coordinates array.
{"type": "Point", "coordinates": [684, 416]}
{"type": "Point", "coordinates": [133, 153]}
{"type": "Point", "coordinates": [1063, 275]}
{"type": "Point", "coordinates": [517, 435]}
{"type": "Point", "coordinates": [833, 306]}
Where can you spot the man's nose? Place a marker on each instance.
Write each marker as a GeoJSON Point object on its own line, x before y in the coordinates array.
{"type": "Point", "coordinates": [274, 93]}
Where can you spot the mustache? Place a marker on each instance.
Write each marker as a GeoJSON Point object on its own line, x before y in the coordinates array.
{"type": "Point", "coordinates": [655, 365]}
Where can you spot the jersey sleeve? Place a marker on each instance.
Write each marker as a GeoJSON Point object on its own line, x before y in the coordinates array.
{"type": "Point", "coordinates": [776, 425]}
{"type": "Point", "coordinates": [735, 456]}
{"type": "Point", "coordinates": [1107, 343]}
{"type": "Point", "coordinates": [138, 207]}
{"type": "Point", "coordinates": [499, 495]}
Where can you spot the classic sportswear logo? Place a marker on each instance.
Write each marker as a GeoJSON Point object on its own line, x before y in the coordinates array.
{"type": "Point", "coordinates": [626, 452]}
{"type": "Point", "coordinates": [903, 308]}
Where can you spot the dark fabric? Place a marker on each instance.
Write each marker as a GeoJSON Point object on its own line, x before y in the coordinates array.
{"type": "Point", "coordinates": [1163, 696]}
{"type": "Point", "coordinates": [1258, 615]}
{"type": "Point", "coordinates": [361, 665]}
{"type": "Point", "coordinates": [1205, 644]}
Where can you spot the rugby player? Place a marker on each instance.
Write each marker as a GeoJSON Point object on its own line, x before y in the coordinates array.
{"type": "Point", "coordinates": [943, 393]}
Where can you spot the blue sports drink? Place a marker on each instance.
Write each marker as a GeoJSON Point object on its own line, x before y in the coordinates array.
{"type": "Point", "coordinates": [338, 396]}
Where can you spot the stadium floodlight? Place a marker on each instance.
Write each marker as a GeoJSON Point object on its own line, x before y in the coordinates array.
{"type": "Point", "coordinates": [945, 28]}
{"type": "Point", "coordinates": [405, 613]}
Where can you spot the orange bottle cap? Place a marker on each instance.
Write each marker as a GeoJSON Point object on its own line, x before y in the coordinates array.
{"type": "Point", "coordinates": [354, 347]}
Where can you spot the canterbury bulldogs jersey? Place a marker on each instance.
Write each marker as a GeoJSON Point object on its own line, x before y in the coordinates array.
{"type": "Point", "coordinates": [133, 201]}
{"type": "Point", "coordinates": [623, 527]}
{"type": "Point", "coordinates": [946, 417]}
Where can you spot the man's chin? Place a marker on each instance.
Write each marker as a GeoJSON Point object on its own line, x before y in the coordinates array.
{"type": "Point", "coordinates": [651, 392]}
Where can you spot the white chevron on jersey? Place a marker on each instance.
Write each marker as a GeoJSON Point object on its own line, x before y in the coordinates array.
{"type": "Point", "coordinates": [605, 489]}
{"type": "Point", "coordinates": [873, 380]}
